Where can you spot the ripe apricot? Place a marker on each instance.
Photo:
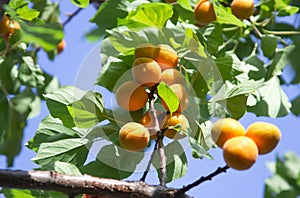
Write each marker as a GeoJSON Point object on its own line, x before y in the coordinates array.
{"type": "Point", "coordinates": [4, 25]}
{"type": "Point", "coordinates": [172, 76]}
{"type": "Point", "coordinates": [131, 96]}
{"type": "Point", "coordinates": [240, 152]}
{"type": "Point", "coordinates": [242, 9]}
{"type": "Point", "coordinates": [61, 46]}
{"type": "Point", "coordinates": [182, 95]}
{"type": "Point", "coordinates": [226, 128]}
{"type": "Point", "coordinates": [14, 25]}
{"type": "Point", "coordinates": [165, 56]}
{"type": "Point", "coordinates": [173, 120]}
{"type": "Point", "coordinates": [134, 136]}
{"type": "Point", "coordinates": [265, 135]}
{"type": "Point", "coordinates": [145, 50]}
{"type": "Point", "coordinates": [204, 13]}
{"type": "Point", "coordinates": [146, 71]}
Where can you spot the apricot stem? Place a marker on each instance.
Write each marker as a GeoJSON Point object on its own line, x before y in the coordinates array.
{"type": "Point", "coordinates": [149, 163]}
{"type": "Point", "coordinates": [162, 157]}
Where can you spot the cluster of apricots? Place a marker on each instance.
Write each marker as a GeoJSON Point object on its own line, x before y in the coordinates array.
{"type": "Point", "coordinates": [8, 27]}
{"type": "Point", "coordinates": [152, 65]}
{"type": "Point", "coordinates": [204, 12]}
{"type": "Point", "coordinates": [241, 147]}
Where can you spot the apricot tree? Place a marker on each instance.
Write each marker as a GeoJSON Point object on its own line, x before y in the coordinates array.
{"type": "Point", "coordinates": [173, 68]}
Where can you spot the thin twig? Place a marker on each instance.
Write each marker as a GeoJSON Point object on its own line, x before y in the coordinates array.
{"type": "Point", "coordinates": [143, 178]}
{"type": "Point", "coordinates": [203, 179]}
{"type": "Point", "coordinates": [71, 17]}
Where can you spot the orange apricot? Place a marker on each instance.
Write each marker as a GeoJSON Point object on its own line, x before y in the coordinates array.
{"type": "Point", "coordinates": [182, 95]}
{"type": "Point", "coordinates": [242, 9]}
{"type": "Point", "coordinates": [134, 136]}
{"type": "Point", "coordinates": [61, 46]}
{"type": "Point", "coordinates": [240, 152]}
{"type": "Point", "coordinates": [172, 76]}
{"type": "Point", "coordinates": [226, 128]}
{"type": "Point", "coordinates": [176, 119]}
{"type": "Point", "coordinates": [4, 25]}
{"type": "Point", "coordinates": [265, 135]}
{"type": "Point", "coordinates": [146, 71]}
{"type": "Point", "coordinates": [145, 50]}
{"type": "Point", "coordinates": [204, 13]}
{"type": "Point", "coordinates": [14, 25]}
{"type": "Point", "coordinates": [165, 56]}
{"type": "Point", "coordinates": [131, 96]}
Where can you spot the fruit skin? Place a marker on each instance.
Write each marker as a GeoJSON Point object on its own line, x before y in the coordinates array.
{"type": "Point", "coordinates": [134, 136]}
{"type": "Point", "coordinates": [204, 13]}
{"type": "Point", "coordinates": [61, 46]}
{"type": "Point", "coordinates": [265, 135]}
{"type": "Point", "coordinates": [131, 96]}
{"type": "Point", "coordinates": [226, 128]}
{"type": "Point", "coordinates": [240, 152]}
{"type": "Point", "coordinates": [242, 9]}
{"type": "Point", "coordinates": [182, 95]}
{"type": "Point", "coordinates": [146, 71]}
{"type": "Point", "coordinates": [172, 76]}
{"type": "Point", "coordinates": [4, 25]}
{"type": "Point", "coordinates": [165, 56]}
{"type": "Point", "coordinates": [145, 50]}
{"type": "Point", "coordinates": [173, 120]}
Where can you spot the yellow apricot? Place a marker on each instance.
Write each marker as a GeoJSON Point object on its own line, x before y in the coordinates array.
{"type": "Point", "coordinates": [265, 135]}
{"type": "Point", "coordinates": [14, 25]}
{"type": "Point", "coordinates": [134, 136]}
{"type": "Point", "coordinates": [182, 95]}
{"type": "Point", "coordinates": [61, 46]}
{"type": "Point", "coordinates": [242, 9]}
{"type": "Point", "coordinates": [240, 152]}
{"type": "Point", "coordinates": [131, 96]}
{"type": "Point", "coordinates": [146, 71]}
{"type": "Point", "coordinates": [172, 76]}
{"type": "Point", "coordinates": [145, 50]}
{"type": "Point", "coordinates": [165, 56]}
{"type": "Point", "coordinates": [4, 25]}
{"type": "Point", "coordinates": [173, 120]}
{"type": "Point", "coordinates": [226, 128]}
{"type": "Point", "coordinates": [204, 13]}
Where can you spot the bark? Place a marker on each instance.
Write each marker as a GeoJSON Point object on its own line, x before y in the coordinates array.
{"type": "Point", "coordinates": [74, 185]}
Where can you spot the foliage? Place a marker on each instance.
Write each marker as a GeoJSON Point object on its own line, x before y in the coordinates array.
{"type": "Point", "coordinates": [231, 67]}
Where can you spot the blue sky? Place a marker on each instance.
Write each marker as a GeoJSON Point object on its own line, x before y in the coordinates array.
{"type": "Point", "coordinates": [71, 68]}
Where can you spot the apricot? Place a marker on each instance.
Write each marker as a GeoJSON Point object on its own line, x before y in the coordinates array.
{"type": "Point", "coordinates": [4, 25]}
{"type": "Point", "coordinates": [134, 136]}
{"type": "Point", "coordinates": [145, 50]}
{"type": "Point", "coordinates": [182, 95]}
{"type": "Point", "coordinates": [14, 25]}
{"type": "Point", "coordinates": [242, 9]}
{"type": "Point", "coordinates": [146, 71]}
{"type": "Point", "coordinates": [265, 135]}
{"type": "Point", "coordinates": [172, 76]}
{"type": "Point", "coordinates": [61, 46]}
{"type": "Point", "coordinates": [131, 96]}
{"type": "Point", "coordinates": [204, 13]}
{"type": "Point", "coordinates": [165, 56]}
{"type": "Point", "coordinates": [226, 128]}
{"type": "Point", "coordinates": [240, 152]}
{"type": "Point", "coordinates": [173, 120]}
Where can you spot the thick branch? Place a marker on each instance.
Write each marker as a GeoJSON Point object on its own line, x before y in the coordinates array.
{"type": "Point", "coordinates": [73, 185]}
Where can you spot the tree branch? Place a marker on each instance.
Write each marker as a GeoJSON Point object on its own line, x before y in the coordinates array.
{"type": "Point", "coordinates": [74, 185]}
{"type": "Point", "coordinates": [70, 17]}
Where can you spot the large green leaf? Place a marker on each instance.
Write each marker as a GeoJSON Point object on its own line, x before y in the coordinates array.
{"type": "Point", "coordinates": [176, 161]}
{"type": "Point", "coordinates": [66, 168]}
{"type": "Point", "coordinates": [269, 100]}
{"type": "Point", "coordinates": [113, 162]}
{"type": "Point", "coordinates": [168, 96]}
{"type": "Point", "coordinates": [4, 111]}
{"type": "Point", "coordinates": [81, 3]}
{"type": "Point", "coordinates": [223, 16]}
{"type": "Point", "coordinates": [269, 44]}
{"type": "Point", "coordinates": [296, 106]}
{"type": "Point", "coordinates": [72, 150]}
{"type": "Point", "coordinates": [213, 37]}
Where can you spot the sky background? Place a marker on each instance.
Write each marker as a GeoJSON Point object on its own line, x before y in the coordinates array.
{"type": "Point", "coordinates": [79, 64]}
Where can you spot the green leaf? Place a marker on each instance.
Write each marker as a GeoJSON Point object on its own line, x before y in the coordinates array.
{"type": "Point", "coordinates": [27, 14]}
{"type": "Point", "coordinates": [269, 100]}
{"type": "Point", "coordinates": [88, 111]}
{"type": "Point", "coordinates": [81, 3]}
{"type": "Point", "coordinates": [50, 85]}
{"type": "Point", "coordinates": [284, 9]}
{"type": "Point", "coordinates": [237, 106]}
{"type": "Point", "coordinates": [66, 168]}
{"type": "Point", "coordinates": [213, 37]}
{"type": "Point", "coordinates": [107, 15]}
{"type": "Point", "coordinates": [107, 131]}
{"type": "Point", "coordinates": [185, 4]}
{"type": "Point", "coordinates": [149, 15]}
{"type": "Point", "coordinates": [50, 130]}
{"type": "Point", "coordinates": [113, 162]}
{"type": "Point", "coordinates": [260, 71]}
{"type": "Point", "coordinates": [296, 106]}
{"type": "Point", "coordinates": [168, 96]}
{"type": "Point", "coordinates": [58, 101]}
{"type": "Point", "coordinates": [46, 35]}
{"type": "Point", "coordinates": [269, 44]}
{"type": "Point", "coordinates": [72, 150]}
{"type": "Point", "coordinates": [176, 161]}
{"type": "Point", "coordinates": [225, 17]}
{"type": "Point", "coordinates": [277, 186]}
{"type": "Point", "coordinates": [26, 193]}
{"type": "Point", "coordinates": [4, 111]}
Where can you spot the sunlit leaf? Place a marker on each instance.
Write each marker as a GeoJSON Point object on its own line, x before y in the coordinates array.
{"type": "Point", "coordinates": [168, 96]}
{"type": "Point", "coordinates": [81, 3]}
